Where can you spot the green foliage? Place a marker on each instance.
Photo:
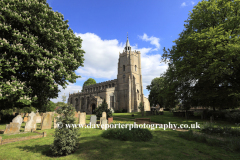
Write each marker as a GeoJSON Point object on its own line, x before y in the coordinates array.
{"type": "Point", "coordinates": [124, 134]}
{"type": "Point", "coordinates": [229, 143]}
{"type": "Point", "coordinates": [64, 98]}
{"type": "Point", "coordinates": [38, 52]}
{"type": "Point", "coordinates": [6, 115]}
{"type": "Point", "coordinates": [65, 139]}
{"type": "Point", "coordinates": [28, 109]}
{"type": "Point", "coordinates": [49, 107]}
{"type": "Point", "coordinates": [205, 59]}
{"type": "Point", "coordinates": [103, 108]}
{"type": "Point", "coordinates": [141, 107]}
{"type": "Point", "coordinates": [59, 104]}
{"type": "Point", "coordinates": [222, 131]}
{"type": "Point", "coordinates": [88, 82]}
{"type": "Point", "coordinates": [233, 117]}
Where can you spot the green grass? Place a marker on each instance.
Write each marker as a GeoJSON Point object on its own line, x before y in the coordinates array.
{"type": "Point", "coordinates": [168, 117]}
{"type": "Point", "coordinates": [164, 144]}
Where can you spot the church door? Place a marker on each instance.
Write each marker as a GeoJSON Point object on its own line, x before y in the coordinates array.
{"type": "Point", "coordinates": [93, 108]}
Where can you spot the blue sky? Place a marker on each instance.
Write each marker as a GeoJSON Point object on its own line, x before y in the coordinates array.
{"type": "Point", "coordinates": [103, 26]}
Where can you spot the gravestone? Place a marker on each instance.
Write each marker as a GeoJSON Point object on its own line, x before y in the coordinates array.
{"type": "Point", "coordinates": [110, 120]}
{"type": "Point", "coordinates": [31, 123]}
{"type": "Point", "coordinates": [82, 118]}
{"type": "Point", "coordinates": [25, 119]}
{"type": "Point", "coordinates": [38, 119]}
{"type": "Point", "coordinates": [37, 114]}
{"type": "Point", "coordinates": [18, 120]}
{"type": "Point", "coordinates": [46, 121]}
{"type": "Point", "coordinates": [55, 123]}
{"type": "Point", "coordinates": [26, 115]}
{"type": "Point", "coordinates": [104, 115]}
{"type": "Point", "coordinates": [12, 128]}
{"type": "Point", "coordinates": [93, 119]}
{"type": "Point", "coordinates": [104, 124]}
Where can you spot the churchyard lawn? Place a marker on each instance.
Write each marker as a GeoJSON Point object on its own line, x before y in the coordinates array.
{"type": "Point", "coordinates": [164, 145]}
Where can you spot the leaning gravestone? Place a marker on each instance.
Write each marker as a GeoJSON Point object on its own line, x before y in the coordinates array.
{"type": "Point", "coordinates": [31, 123]}
{"type": "Point", "coordinates": [93, 119]}
{"type": "Point", "coordinates": [82, 118]}
{"type": "Point", "coordinates": [104, 124]}
{"type": "Point", "coordinates": [18, 119]}
{"type": "Point", "coordinates": [12, 128]}
{"type": "Point", "coordinates": [46, 121]}
{"type": "Point", "coordinates": [104, 115]}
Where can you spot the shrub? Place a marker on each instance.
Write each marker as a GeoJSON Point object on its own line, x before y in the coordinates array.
{"type": "Point", "coordinates": [124, 134]}
{"type": "Point", "coordinates": [6, 115]}
{"type": "Point", "coordinates": [103, 108]}
{"type": "Point", "coordinates": [233, 116]}
{"type": "Point", "coordinates": [65, 141]}
{"type": "Point", "coordinates": [222, 131]}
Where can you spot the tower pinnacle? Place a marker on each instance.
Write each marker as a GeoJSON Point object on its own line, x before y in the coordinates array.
{"type": "Point", "coordinates": [127, 48]}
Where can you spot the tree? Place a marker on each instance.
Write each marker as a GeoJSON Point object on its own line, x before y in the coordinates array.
{"type": "Point", "coordinates": [65, 139]}
{"type": "Point", "coordinates": [206, 55]}
{"type": "Point", "coordinates": [88, 82]}
{"type": "Point", "coordinates": [59, 104]}
{"type": "Point", "coordinates": [103, 108]}
{"type": "Point", "coordinates": [64, 97]}
{"type": "Point", "coordinates": [49, 107]}
{"type": "Point", "coordinates": [164, 89]}
{"type": "Point", "coordinates": [38, 53]}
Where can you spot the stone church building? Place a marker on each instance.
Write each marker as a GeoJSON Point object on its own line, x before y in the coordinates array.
{"type": "Point", "coordinates": [125, 92]}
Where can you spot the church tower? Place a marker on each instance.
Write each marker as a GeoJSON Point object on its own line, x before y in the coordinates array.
{"type": "Point", "coordinates": [130, 90]}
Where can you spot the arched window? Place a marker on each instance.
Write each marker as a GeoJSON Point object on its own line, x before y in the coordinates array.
{"type": "Point", "coordinates": [135, 67]}
{"type": "Point", "coordinates": [123, 67]}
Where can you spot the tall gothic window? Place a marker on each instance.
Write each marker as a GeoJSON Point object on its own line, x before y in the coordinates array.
{"type": "Point", "coordinates": [112, 101]}
{"type": "Point", "coordinates": [138, 94]}
{"type": "Point", "coordinates": [123, 67]}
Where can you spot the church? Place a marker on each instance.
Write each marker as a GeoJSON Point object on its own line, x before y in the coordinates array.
{"type": "Point", "coordinates": [125, 92]}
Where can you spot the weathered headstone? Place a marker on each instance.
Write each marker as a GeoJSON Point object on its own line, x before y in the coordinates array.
{"type": "Point", "coordinates": [93, 119]}
{"type": "Point", "coordinates": [38, 119]}
{"type": "Point", "coordinates": [82, 118]}
{"type": "Point", "coordinates": [31, 123]}
{"type": "Point", "coordinates": [110, 120]}
{"type": "Point", "coordinates": [37, 114]}
{"type": "Point", "coordinates": [55, 122]}
{"type": "Point", "coordinates": [46, 121]}
{"type": "Point", "coordinates": [104, 115]}
{"type": "Point", "coordinates": [25, 119]}
{"type": "Point", "coordinates": [104, 124]}
{"type": "Point", "coordinates": [12, 128]}
{"type": "Point", "coordinates": [18, 119]}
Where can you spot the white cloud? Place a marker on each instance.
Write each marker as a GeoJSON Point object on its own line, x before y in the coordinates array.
{"type": "Point", "coordinates": [152, 40]}
{"type": "Point", "coordinates": [101, 61]}
{"type": "Point", "coordinates": [70, 89]}
{"type": "Point", "coordinates": [192, 2]}
{"type": "Point", "coordinates": [183, 4]}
